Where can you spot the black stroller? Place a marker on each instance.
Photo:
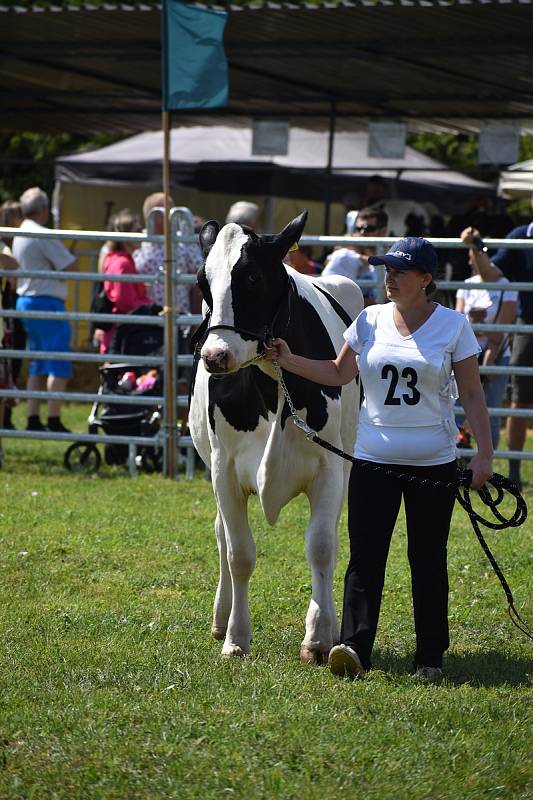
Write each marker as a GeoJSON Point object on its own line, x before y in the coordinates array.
{"type": "Point", "coordinates": [119, 419]}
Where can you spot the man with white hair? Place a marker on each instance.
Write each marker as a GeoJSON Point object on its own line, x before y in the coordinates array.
{"type": "Point", "coordinates": [43, 294]}
{"type": "Point", "coordinates": [149, 260]}
{"type": "Point", "coordinates": [150, 257]}
{"type": "Point", "coordinates": [244, 213]}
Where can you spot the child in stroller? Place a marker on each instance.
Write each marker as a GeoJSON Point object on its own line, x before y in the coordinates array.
{"type": "Point", "coordinates": [120, 419]}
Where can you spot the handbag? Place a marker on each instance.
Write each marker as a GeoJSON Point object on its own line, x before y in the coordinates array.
{"type": "Point", "coordinates": [101, 304]}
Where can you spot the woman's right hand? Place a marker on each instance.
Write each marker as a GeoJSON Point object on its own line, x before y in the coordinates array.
{"type": "Point", "coordinates": [481, 468]}
{"type": "Point", "coordinates": [278, 350]}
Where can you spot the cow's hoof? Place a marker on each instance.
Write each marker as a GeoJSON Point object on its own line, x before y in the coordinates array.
{"type": "Point", "coordinates": [233, 651]}
{"type": "Point", "coordinates": [218, 633]}
{"type": "Point", "coordinates": [313, 656]}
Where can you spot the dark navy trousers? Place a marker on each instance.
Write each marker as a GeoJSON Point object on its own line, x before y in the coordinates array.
{"type": "Point", "coordinates": [373, 504]}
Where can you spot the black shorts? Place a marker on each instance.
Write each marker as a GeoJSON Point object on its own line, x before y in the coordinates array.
{"type": "Point", "coordinates": [522, 356]}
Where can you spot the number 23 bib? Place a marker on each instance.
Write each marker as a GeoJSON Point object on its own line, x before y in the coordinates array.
{"type": "Point", "coordinates": [401, 384]}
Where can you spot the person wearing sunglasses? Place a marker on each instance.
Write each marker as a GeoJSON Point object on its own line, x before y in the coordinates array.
{"type": "Point", "coordinates": [351, 261]}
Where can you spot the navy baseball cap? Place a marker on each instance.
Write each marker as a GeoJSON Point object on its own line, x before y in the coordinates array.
{"type": "Point", "coordinates": [409, 253]}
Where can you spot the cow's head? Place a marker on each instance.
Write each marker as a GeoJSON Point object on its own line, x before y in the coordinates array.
{"type": "Point", "coordinates": [244, 283]}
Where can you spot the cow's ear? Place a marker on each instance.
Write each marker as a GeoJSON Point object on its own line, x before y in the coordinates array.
{"type": "Point", "coordinates": [208, 236]}
{"type": "Point", "coordinates": [290, 234]}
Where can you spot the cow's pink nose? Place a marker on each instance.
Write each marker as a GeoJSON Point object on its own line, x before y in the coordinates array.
{"type": "Point", "coordinates": [216, 360]}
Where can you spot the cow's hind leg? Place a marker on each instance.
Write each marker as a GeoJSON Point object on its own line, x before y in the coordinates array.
{"type": "Point", "coordinates": [321, 624]}
{"type": "Point", "coordinates": [240, 549]}
{"type": "Point", "coordinates": [222, 606]}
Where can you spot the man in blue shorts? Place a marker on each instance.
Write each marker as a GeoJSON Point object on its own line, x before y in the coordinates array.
{"type": "Point", "coordinates": [516, 265]}
{"type": "Point", "coordinates": [43, 294]}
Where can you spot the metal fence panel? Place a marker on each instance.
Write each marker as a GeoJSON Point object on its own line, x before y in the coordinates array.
{"type": "Point", "coordinates": [185, 236]}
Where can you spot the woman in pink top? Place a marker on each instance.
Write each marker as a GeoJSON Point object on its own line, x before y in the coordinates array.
{"type": "Point", "coordinates": [125, 297]}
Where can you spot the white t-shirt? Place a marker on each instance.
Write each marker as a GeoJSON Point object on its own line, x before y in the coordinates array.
{"type": "Point", "coordinates": [348, 263]}
{"type": "Point", "coordinates": [40, 254]}
{"type": "Point", "coordinates": [407, 416]}
{"type": "Point", "coordinates": [490, 300]}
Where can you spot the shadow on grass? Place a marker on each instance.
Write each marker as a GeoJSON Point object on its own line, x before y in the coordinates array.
{"type": "Point", "coordinates": [488, 668]}
{"type": "Point", "coordinates": [48, 460]}
{"type": "Point", "coordinates": [52, 465]}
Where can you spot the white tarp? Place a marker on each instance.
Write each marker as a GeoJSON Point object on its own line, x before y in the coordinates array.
{"type": "Point", "coordinates": [516, 180]}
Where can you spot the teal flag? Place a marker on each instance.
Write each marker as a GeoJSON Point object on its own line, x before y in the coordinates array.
{"type": "Point", "coordinates": [195, 70]}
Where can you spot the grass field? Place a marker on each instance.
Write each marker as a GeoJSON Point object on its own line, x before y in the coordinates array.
{"type": "Point", "coordinates": [111, 686]}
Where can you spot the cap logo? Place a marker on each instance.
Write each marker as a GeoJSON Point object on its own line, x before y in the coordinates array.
{"type": "Point", "coordinates": [401, 254]}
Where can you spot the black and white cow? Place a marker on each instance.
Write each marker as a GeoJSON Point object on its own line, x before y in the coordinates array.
{"type": "Point", "coordinates": [240, 422]}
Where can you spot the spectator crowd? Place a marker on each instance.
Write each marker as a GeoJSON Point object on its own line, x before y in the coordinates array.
{"type": "Point", "coordinates": [377, 216]}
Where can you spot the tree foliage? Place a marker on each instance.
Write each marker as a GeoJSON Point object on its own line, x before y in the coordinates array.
{"type": "Point", "coordinates": [459, 151]}
{"type": "Point", "coordinates": [28, 158]}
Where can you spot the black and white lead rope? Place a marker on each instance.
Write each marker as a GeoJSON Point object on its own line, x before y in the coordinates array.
{"type": "Point", "coordinates": [462, 493]}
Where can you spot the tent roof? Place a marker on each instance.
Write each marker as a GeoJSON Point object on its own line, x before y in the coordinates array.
{"type": "Point", "coordinates": [215, 157]}
{"type": "Point", "coordinates": [437, 64]}
{"type": "Point", "coordinates": [308, 150]}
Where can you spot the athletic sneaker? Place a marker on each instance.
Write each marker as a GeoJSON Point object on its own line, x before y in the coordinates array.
{"type": "Point", "coordinates": [429, 674]}
{"type": "Point", "coordinates": [343, 660]}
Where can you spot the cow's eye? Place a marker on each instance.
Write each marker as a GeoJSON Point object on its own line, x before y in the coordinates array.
{"type": "Point", "coordinates": [252, 278]}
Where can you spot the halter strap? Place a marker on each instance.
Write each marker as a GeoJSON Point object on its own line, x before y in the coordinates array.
{"type": "Point", "coordinates": [202, 332]}
{"type": "Point", "coordinates": [262, 336]}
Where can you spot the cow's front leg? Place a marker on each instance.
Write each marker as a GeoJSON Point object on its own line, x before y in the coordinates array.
{"type": "Point", "coordinates": [321, 623]}
{"type": "Point", "coordinates": [240, 550]}
{"type": "Point", "coordinates": [222, 605]}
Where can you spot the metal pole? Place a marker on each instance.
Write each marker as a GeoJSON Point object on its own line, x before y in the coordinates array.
{"type": "Point", "coordinates": [170, 338]}
{"type": "Point", "coordinates": [269, 214]}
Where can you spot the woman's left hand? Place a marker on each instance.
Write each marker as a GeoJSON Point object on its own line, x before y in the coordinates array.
{"type": "Point", "coordinates": [468, 236]}
{"type": "Point", "coordinates": [481, 468]}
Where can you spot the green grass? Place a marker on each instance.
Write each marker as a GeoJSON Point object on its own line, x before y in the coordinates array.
{"type": "Point", "coordinates": [111, 687]}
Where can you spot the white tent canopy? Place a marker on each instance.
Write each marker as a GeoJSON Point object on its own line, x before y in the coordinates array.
{"type": "Point", "coordinates": [516, 180]}
{"type": "Point", "coordinates": [223, 154]}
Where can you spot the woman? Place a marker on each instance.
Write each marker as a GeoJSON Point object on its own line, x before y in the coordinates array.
{"type": "Point", "coordinates": [404, 351]}
{"type": "Point", "coordinates": [489, 306]}
{"type": "Point", "coordinates": [10, 217]}
{"type": "Point", "coordinates": [125, 297]}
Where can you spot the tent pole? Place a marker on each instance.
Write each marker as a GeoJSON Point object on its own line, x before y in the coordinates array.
{"type": "Point", "coordinates": [331, 139]}
{"type": "Point", "coordinates": [170, 338]}
{"type": "Point", "coordinates": [269, 213]}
